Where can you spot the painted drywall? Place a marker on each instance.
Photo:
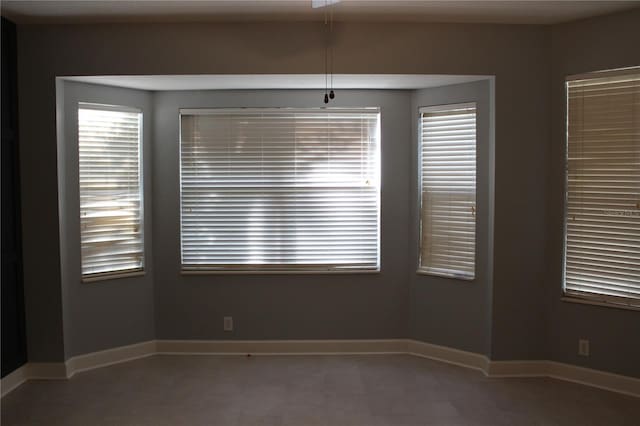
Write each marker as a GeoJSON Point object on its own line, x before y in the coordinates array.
{"type": "Point", "coordinates": [517, 55]}
{"type": "Point", "coordinates": [447, 311]}
{"type": "Point", "coordinates": [283, 306]}
{"type": "Point", "coordinates": [109, 313]}
{"type": "Point", "coordinates": [614, 334]}
{"type": "Point", "coordinates": [63, 211]}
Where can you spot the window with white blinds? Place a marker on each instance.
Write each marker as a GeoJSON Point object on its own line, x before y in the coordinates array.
{"type": "Point", "coordinates": [448, 191]}
{"type": "Point", "coordinates": [280, 189]}
{"type": "Point", "coordinates": [602, 214]}
{"type": "Point", "coordinates": [109, 140]}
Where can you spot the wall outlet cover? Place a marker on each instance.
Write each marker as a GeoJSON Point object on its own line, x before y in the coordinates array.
{"type": "Point", "coordinates": [228, 323]}
{"type": "Point", "coordinates": [583, 347]}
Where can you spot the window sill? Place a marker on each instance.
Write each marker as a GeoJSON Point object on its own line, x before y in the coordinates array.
{"type": "Point", "coordinates": [585, 301]}
{"type": "Point", "coordinates": [276, 272]}
{"type": "Point", "coordinates": [112, 276]}
{"type": "Point", "coordinates": [444, 275]}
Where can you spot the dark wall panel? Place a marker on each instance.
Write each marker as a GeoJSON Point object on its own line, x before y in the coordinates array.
{"type": "Point", "coordinates": [14, 352]}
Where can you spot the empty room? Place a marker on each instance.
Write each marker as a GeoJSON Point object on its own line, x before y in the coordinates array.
{"type": "Point", "coordinates": [320, 212]}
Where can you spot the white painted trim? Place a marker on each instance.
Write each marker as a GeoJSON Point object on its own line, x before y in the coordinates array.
{"type": "Point", "coordinates": [605, 304]}
{"type": "Point", "coordinates": [14, 379]}
{"type": "Point", "coordinates": [449, 355]}
{"type": "Point", "coordinates": [188, 272]}
{"type": "Point", "coordinates": [109, 357]}
{"type": "Point", "coordinates": [596, 378]}
{"type": "Point", "coordinates": [64, 370]}
{"type": "Point", "coordinates": [282, 347]}
{"type": "Point", "coordinates": [517, 369]}
{"type": "Point", "coordinates": [571, 373]}
{"type": "Point", "coordinates": [46, 371]}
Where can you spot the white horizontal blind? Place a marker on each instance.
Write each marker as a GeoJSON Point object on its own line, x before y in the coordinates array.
{"type": "Point", "coordinates": [280, 189]}
{"type": "Point", "coordinates": [602, 254]}
{"type": "Point", "coordinates": [448, 190]}
{"type": "Point", "coordinates": [110, 190]}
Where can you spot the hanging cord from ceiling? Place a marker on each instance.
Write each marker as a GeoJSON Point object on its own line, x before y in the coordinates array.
{"type": "Point", "coordinates": [328, 53]}
{"type": "Point", "coordinates": [326, 96]}
{"type": "Point", "coordinates": [331, 93]}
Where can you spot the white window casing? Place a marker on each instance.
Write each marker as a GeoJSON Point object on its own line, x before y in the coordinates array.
{"type": "Point", "coordinates": [448, 191]}
{"type": "Point", "coordinates": [110, 177]}
{"type": "Point", "coordinates": [602, 198]}
{"type": "Point", "coordinates": [280, 190]}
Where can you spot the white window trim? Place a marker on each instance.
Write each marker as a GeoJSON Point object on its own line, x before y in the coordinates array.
{"type": "Point", "coordinates": [574, 298]}
{"type": "Point", "coordinates": [291, 269]}
{"type": "Point", "coordinates": [420, 270]}
{"type": "Point", "coordinates": [113, 275]}
{"type": "Point", "coordinates": [134, 272]}
{"type": "Point", "coordinates": [568, 295]}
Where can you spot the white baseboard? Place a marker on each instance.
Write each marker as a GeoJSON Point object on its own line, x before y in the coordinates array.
{"type": "Point", "coordinates": [517, 369]}
{"type": "Point", "coordinates": [107, 357]}
{"type": "Point", "coordinates": [33, 371]}
{"type": "Point", "coordinates": [492, 369]}
{"type": "Point", "coordinates": [46, 371]}
{"type": "Point", "coordinates": [448, 355]}
{"type": "Point", "coordinates": [281, 347]}
{"type": "Point", "coordinates": [596, 378]}
{"type": "Point", "coordinates": [14, 379]}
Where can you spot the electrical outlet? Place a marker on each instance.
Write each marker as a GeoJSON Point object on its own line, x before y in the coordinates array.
{"type": "Point", "coordinates": [228, 323]}
{"type": "Point", "coordinates": [583, 347]}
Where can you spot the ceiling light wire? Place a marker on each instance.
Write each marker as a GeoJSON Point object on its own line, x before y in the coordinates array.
{"type": "Point", "coordinates": [326, 96]}
{"type": "Point", "coordinates": [331, 93]}
{"type": "Point", "coordinates": [328, 50]}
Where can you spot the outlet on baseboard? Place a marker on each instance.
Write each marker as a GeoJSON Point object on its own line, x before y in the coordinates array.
{"type": "Point", "coordinates": [583, 347]}
{"type": "Point", "coordinates": [228, 323]}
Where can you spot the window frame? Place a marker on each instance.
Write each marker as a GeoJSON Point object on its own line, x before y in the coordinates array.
{"type": "Point", "coordinates": [286, 269]}
{"type": "Point", "coordinates": [420, 269]}
{"type": "Point", "coordinates": [122, 273]}
{"type": "Point", "coordinates": [568, 295]}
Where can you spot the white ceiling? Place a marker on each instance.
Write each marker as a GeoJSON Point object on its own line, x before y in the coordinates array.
{"type": "Point", "coordinates": [276, 81]}
{"type": "Point", "coordinates": [507, 11]}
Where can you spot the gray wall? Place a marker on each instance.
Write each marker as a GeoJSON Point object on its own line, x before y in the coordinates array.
{"type": "Point", "coordinates": [614, 334]}
{"type": "Point", "coordinates": [448, 311]}
{"type": "Point", "coordinates": [518, 55]}
{"type": "Point", "coordinates": [109, 313]}
{"type": "Point", "coordinates": [525, 257]}
{"type": "Point", "coordinates": [283, 306]}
